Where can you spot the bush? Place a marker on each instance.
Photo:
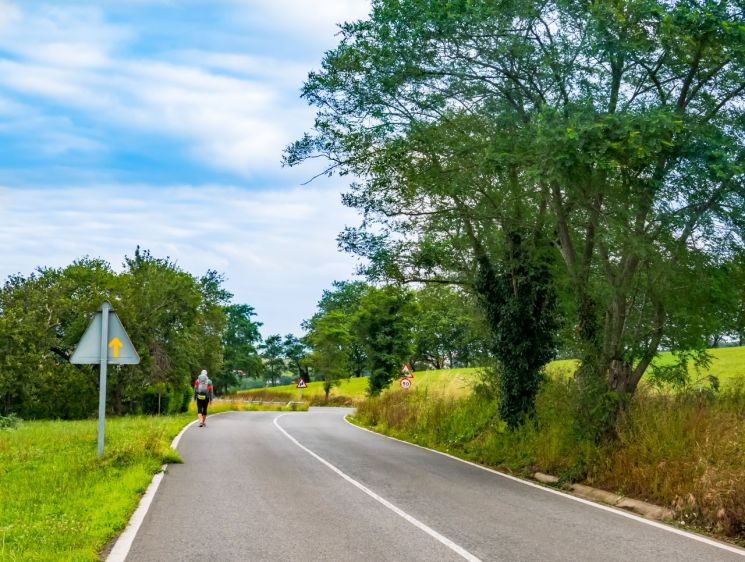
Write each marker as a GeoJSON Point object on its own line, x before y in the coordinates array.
{"type": "Point", "coordinates": [9, 422]}
{"type": "Point", "coordinates": [165, 399]}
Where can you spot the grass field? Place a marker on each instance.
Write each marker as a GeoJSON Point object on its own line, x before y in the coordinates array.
{"type": "Point", "coordinates": [58, 500]}
{"type": "Point", "coordinates": [728, 364]}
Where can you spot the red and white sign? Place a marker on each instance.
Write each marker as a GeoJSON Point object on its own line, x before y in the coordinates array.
{"type": "Point", "coordinates": [407, 372]}
{"type": "Point", "coordinates": [405, 383]}
{"type": "Point", "coordinates": [302, 384]}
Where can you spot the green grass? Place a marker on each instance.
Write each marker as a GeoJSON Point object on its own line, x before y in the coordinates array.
{"type": "Point", "coordinates": [448, 381]}
{"type": "Point", "coordinates": [59, 501]}
{"type": "Point", "coordinates": [728, 364]}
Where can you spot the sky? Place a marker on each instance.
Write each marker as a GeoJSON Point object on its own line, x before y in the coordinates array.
{"type": "Point", "coordinates": [161, 123]}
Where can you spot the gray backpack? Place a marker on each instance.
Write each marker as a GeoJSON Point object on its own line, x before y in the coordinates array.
{"type": "Point", "coordinates": [203, 385]}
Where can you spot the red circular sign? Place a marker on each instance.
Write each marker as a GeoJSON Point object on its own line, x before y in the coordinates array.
{"type": "Point", "coordinates": [405, 383]}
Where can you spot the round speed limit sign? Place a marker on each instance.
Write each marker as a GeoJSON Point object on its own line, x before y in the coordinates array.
{"type": "Point", "coordinates": [406, 383]}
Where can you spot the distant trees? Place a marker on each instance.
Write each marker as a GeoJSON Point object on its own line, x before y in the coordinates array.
{"type": "Point", "coordinates": [240, 341]}
{"type": "Point", "coordinates": [178, 323]}
{"type": "Point", "coordinates": [360, 328]}
{"type": "Point", "coordinates": [447, 329]}
{"type": "Point", "coordinates": [272, 354]}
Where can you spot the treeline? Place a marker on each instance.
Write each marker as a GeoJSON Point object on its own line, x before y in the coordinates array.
{"type": "Point", "coordinates": [578, 167]}
{"type": "Point", "coordinates": [361, 329]}
{"type": "Point", "coordinates": [178, 323]}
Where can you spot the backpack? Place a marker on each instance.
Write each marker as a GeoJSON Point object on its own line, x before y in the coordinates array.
{"type": "Point", "coordinates": [203, 386]}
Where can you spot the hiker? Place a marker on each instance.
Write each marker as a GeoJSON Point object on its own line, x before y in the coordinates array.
{"type": "Point", "coordinates": [202, 396]}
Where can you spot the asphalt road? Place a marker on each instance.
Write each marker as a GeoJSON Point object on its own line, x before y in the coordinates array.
{"type": "Point", "coordinates": [309, 486]}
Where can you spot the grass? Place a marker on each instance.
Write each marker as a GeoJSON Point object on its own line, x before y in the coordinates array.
{"type": "Point", "coordinates": [351, 391]}
{"type": "Point", "coordinates": [728, 365]}
{"type": "Point", "coordinates": [684, 450]}
{"type": "Point", "coordinates": [59, 501]}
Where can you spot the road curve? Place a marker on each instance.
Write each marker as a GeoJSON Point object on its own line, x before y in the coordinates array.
{"type": "Point", "coordinates": [260, 486]}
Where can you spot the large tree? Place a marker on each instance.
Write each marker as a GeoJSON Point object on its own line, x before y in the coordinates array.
{"type": "Point", "coordinates": [612, 130]}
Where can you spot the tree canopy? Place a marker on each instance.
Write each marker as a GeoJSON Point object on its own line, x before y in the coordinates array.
{"type": "Point", "coordinates": [178, 323]}
{"type": "Point", "coordinates": [608, 133]}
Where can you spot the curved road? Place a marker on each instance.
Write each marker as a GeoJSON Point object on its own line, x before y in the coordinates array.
{"type": "Point", "coordinates": [309, 486]}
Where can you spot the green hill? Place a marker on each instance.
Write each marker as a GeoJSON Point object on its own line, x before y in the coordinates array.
{"type": "Point", "coordinates": [728, 365]}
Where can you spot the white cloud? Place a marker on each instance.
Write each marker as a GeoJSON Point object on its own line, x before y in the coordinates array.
{"type": "Point", "coordinates": [277, 248]}
{"type": "Point", "coordinates": [318, 19]}
{"type": "Point", "coordinates": [234, 111]}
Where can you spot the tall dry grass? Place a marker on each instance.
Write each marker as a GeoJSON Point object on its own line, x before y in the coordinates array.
{"type": "Point", "coordinates": [685, 451]}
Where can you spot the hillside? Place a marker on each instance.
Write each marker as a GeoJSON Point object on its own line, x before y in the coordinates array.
{"type": "Point", "coordinates": [728, 365]}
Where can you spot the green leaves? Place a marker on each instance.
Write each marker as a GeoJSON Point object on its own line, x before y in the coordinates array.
{"type": "Point", "coordinates": [175, 322]}
{"type": "Point", "coordinates": [612, 128]}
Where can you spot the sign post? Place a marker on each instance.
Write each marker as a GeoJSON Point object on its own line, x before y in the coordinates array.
{"type": "Point", "coordinates": [105, 309]}
{"type": "Point", "coordinates": [104, 341]}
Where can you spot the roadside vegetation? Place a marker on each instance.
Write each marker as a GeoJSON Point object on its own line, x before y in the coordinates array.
{"type": "Point", "coordinates": [684, 449]}
{"type": "Point", "coordinates": [59, 501]}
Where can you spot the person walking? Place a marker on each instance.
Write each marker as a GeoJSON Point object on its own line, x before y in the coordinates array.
{"type": "Point", "coordinates": [203, 394]}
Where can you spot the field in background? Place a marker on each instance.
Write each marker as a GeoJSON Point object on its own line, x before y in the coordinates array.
{"type": "Point", "coordinates": [728, 365]}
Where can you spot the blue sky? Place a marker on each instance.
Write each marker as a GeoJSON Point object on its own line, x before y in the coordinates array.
{"type": "Point", "coordinates": [161, 123]}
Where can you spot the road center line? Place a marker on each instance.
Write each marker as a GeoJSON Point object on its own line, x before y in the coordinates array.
{"type": "Point", "coordinates": [414, 521]}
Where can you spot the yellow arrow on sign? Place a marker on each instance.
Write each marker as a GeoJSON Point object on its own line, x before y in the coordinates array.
{"type": "Point", "coordinates": [116, 343]}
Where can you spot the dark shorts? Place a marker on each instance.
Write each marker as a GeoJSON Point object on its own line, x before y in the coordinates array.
{"type": "Point", "coordinates": [202, 405]}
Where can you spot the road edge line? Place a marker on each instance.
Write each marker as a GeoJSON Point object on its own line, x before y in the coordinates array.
{"type": "Point", "coordinates": [664, 527]}
{"type": "Point", "coordinates": [398, 511]}
{"type": "Point", "coordinates": [123, 544]}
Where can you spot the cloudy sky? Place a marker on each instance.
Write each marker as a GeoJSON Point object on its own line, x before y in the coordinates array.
{"type": "Point", "coordinates": [162, 123]}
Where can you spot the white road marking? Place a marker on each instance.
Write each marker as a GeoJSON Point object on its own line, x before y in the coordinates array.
{"type": "Point", "coordinates": [414, 521]}
{"type": "Point", "coordinates": [622, 513]}
{"type": "Point", "coordinates": [124, 542]}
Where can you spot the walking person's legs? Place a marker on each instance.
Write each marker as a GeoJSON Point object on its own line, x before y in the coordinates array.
{"type": "Point", "coordinates": [201, 411]}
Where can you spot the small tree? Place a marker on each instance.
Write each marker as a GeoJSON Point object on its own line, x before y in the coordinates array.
{"type": "Point", "coordinates": [296, 353]}
{"type": "Point", "coordinates": [330, 340]}
{"type": "Point", "coordinates": [272, 354]}
{"type": "Point", "coordinates": [383, 325]}
{"type": "Point", "coordinates": [239, 341]}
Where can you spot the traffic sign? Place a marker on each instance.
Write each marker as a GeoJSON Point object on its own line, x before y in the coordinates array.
{"type": "Point", "coordinates": [120, 348]}
{"type": "Point", "coordinates": [302, 384]}
{"type": "Point", "coordinates": [405, 383]}
{"type": "Point", "coordinates": [105, 341]}
{"type": "Point", "coordinates": [407, 372]}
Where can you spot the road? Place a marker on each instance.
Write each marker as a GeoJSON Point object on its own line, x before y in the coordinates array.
{"type": "Point", "coordinates": [309, 486]}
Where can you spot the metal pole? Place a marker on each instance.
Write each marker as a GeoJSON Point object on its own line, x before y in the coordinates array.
{"type": "Point", "coordinates": [105, 307]}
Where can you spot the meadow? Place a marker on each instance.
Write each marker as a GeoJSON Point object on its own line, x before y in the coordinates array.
{"type": "Point", "coordinates": [728, 365]}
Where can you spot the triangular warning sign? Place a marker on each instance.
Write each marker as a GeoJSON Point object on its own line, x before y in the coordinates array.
{"type": "Point", "coordinates": [120, 350]}
{"type": "Point", "coordinates": [302, 384]}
